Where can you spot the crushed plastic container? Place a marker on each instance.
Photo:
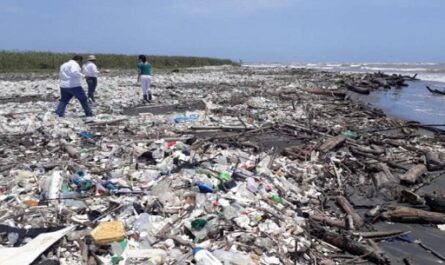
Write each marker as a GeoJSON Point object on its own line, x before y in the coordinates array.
{"type": "Point", "coordinates": [232, 257]}
{"type": "Point", "coordinates": [119, 247]}
{"type": "Point", "coordinates": [204, 257]}
{"type": "Point", "coordinates": [151, 256]}
{"type": "Point", "coordinates": [225, 176]}
{"type": "Point", "coordinates": [109, 232]}
{"type": "Point", "coordinates": [82, 181]}
{"type": "Point", "coordinates": [252, 185]}
{"type": "Point", "coordinates": [50, 185]}
{"type": "Point", "coordinates": [186, 118]}
{"type": "Point", "coordinates": [85, 135]}
{"type": "Point", "coordinates": [204, 187]}
{"type": "Point", "coordinates": [145, 226]}
{"type": "Point", "coordinates": [277, 198]}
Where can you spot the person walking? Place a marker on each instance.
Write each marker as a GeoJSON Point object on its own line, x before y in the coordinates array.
{"type": "Point", "coordinates": [145, 77]}
{"type": "Point", "coordinates": [70, 86]}
{"type": "Point", "coordinates": [91, 72]}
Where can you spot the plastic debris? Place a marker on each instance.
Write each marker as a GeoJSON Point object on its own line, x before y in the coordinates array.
{"type": "Point", "coordinates": [28, 253]}
{"type": "Point", "coordinates": [204, 257]}
{"type": "Point", "coordinates": [247, 174]}
{"type": "Point", "coordinates": [108, 232]}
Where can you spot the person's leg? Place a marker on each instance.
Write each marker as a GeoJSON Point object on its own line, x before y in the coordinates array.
{"type": "Point", "coordinates": [144, 87]}
{"type": "Point", "coordinates": [90, 87]}
{"type": "Point", "coordinates": [92, 83]}
{"type": "Point", "coordinates": [149, 89]}
{"type": "Point", "coordinates": [65, 97]}
{"type": "Point", "coordinates": [94, 86]}
{"type": "Point", "coordinates": [80, 95]}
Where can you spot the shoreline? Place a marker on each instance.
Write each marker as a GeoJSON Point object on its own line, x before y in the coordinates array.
{"type": "Point", "coordinates": [326, 161]}
{"type": "Point", "coordinates": [427, 128]}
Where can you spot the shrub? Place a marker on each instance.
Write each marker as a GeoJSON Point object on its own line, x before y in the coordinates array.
{"type": "Point", "coordinates": [33, 61]}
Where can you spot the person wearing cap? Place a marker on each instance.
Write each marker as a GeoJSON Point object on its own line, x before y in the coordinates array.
{"type": "Point", "coordinates": [90, 71]}
{"type": "Point", "coordinates": [145, 77]}
{"type": "Point", "coordinates": [70, 75]}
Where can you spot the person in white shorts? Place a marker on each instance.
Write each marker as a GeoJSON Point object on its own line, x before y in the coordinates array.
{"type": "Point", "coordinates": [145, 77]}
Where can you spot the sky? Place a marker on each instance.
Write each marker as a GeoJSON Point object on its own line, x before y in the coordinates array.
{"type": "Point", "coordinates": [267, 31]}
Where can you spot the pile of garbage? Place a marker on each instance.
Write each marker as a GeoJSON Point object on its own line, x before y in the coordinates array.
{"type": "Point", "coordinates": [171, 201]}
{"type": "Point", "coordinates": [266, 169]}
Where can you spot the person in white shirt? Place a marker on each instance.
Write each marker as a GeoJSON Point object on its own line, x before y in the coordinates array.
{"type": "Point", "coordinates": [90, 71]}
{"type": "Point", "coordinates": [70, 86]}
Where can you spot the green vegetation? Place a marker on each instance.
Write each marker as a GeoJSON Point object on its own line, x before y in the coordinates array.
{"type": "Point", "coordinates": [48, 61]}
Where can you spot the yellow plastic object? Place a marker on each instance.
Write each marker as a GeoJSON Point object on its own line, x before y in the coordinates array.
{"type": "Point", "coordinates": [106, 233]}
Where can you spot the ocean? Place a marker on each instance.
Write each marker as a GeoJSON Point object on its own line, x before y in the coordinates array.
{"type": "Point", "coordinates": [424, 71]}
{"type": "Point", "coordinates": [413, 103]}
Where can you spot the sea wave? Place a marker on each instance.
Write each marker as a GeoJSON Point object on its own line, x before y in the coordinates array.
{"type": "Point", "coordinates": [433, 77]}
{"type": "Point", "coordinates": [425, 71]}
{"type": "Point", "coordinates": [393, 69]}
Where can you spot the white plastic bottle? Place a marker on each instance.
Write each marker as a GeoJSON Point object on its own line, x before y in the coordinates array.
{"type": "Point", "coordinates": [144, 226]}
{"type": "Point", "coordinates": [154, 256]}
{"type": "Point", "coordinates": [204, 257]}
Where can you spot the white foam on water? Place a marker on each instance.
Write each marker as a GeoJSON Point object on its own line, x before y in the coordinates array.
{"type": "Point", "coordinates": [395, 69]}
{"type": "Point", "coordinates": [425, 71]}
{"type": "Point", "coordinates": [433, 77]}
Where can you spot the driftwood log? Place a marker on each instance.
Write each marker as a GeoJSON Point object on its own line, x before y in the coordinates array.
{"type": "Point", "coordinates": [379, 233]}
{"type": "Point", "coordinates": [357, 89]}
{"type": "Point", "coordinates": [329, 221]}
{"type": "Point", "coordinates": [411, 215]}
{"type": "Point", "coordinates": [331, 143]}
{"type": "Point", "coordinates": [353, 247]}
{"type": "Point", "coordinates": [384, 177]}
{"type": "Point", "coordinates": [410, 177]}
{"type": "Point", "coordinates": [382, 82]}
{"type": "Point", "coordinates": [368, 150]}
{"type": "Point", "coordinates": [381, 159]}
{"type": "Point", "coordinates": [224, 128]}
{"type": "Point", "coordinates": [435, 91]}
{"type": "Point", "coordinates": [381, 180]}
{"type": "Point", "coordinates": [325, 92]}
{"type": "Point", "coordinates": [347, 207]}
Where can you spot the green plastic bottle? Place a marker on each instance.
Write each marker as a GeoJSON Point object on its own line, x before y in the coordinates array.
{"type": "Point", "coordinates": [225, 176]}
{"type": "Point", "coordinates": [199, 224]}
{"type": "Point", "coordinates": [276, 198]}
